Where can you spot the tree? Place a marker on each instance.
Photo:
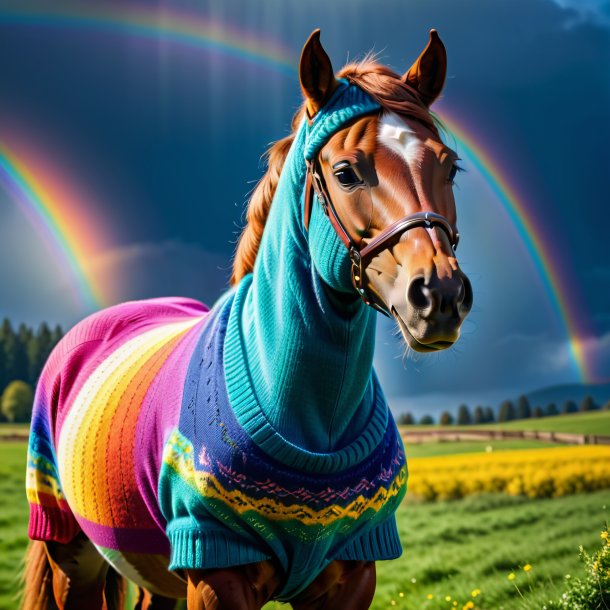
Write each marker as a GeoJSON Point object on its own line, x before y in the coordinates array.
{"type": "Point", "coordinates": [21, 357]}
{"type": "Point", "coordinates": [464, 417]}
{"type": "Point", "coordinates": [406, 419]}
{"type": "Point", "coordinates": [427, 420]}
{"type": "Point", "coordinates": [17, 400]}
{"type": "Point", "coordinates": [45, 345]}
{"type": "Point", "coordinates": [490, 416]}
{"type": "Point", "coordinates": [446, 419]}
{"type": "Point", "coordinates": [507, 411]}
{"type": "Point", "coordinates": [569, 406]}
{"type": "Point", "coordinates": [588, 404]}
{"type": "Point", "coordinates": [538, 412]}
{"type": "Point", "coordinates": [524, 410]}
{"type": "Point", "coordinates": [8, 346]}
{"type": "Point", "coordinates": [57, 335]}
{"type": "Point", "coordinates": [479, 415]}
{"type": "Point", "coordinates": [551, 409]}
{"type": "Point", "coordinates": [606, 407]}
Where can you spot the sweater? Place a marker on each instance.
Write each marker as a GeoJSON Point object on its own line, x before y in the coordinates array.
{"type": "Point", "coordinates": [176, 437]}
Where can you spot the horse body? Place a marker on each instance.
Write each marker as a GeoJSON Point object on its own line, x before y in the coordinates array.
{"type": "Point", "coordinates": [107, 397]}
{"type": "Point", "coordinates": [249, 448]}
{"type": "Point", "coordinates": [137, 401]}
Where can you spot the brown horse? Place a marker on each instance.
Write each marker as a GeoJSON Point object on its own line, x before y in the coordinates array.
{"type": "Point", "coordinates": [384, 179]}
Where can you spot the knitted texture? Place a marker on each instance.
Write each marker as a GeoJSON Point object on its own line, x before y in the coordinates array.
{"type": "Point", "coordinates": [283, 329]}
{"type": "Point", "coordinates": [106, 402]}
{"type": "Point", "coordinates": [177, 437]}
{"type": "Point", "coordinates": [229, 502]}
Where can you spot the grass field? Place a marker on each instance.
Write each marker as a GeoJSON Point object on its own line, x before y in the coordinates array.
{"type": "Point", "coordinates": [438, 448]}
{"type": "Point", "coordinates": [451, 548]}
{"type": "Point", "coordinates": [594, 422]}
{"type": "Point", "coordinates": [13, 519]}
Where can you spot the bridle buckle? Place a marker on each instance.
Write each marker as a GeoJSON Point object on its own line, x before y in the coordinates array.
{"type": "Point", "coordinates": [382, 241]}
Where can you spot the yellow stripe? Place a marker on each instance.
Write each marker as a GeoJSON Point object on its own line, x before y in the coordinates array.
{"type": "Point", "coordinates": [78, 455]}
{"type": "Point", "coordinates": [37, 482]}
{"type": "Point", "coordinates": [178, 455]}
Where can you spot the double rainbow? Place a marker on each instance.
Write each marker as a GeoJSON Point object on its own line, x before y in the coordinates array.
{"type": "Point", "coordinates": [194, 31]}
{"type": "Point", "coordinates": [54, 210]}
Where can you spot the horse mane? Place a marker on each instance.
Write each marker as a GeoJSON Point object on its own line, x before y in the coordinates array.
{"type": "Point", "coordinates": [385, 86]}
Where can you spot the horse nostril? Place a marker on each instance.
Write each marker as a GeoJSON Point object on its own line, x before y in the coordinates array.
{"type": "Point", "coordinates": [418, 294]}
{"type": "Point", "coordinates": [466, 304]}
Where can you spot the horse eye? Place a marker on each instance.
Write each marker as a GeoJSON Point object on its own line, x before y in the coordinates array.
{"type": "Point", "coordinates": [455, 168]}
{"type": "Point", "coordinates": [347, 176]}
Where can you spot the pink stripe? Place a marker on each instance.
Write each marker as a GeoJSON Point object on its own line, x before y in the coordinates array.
{"type": "Point", "coordinates": [51, 523]}
{"type": "Point", "coordinates": [91, 341]}
{"type": "Point", "coordinates": [155, 424]}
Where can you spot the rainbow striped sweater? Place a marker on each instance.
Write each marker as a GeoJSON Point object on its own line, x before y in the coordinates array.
{"type": "Point", "coordinates": [134, 442]}
{"type": "Point", "coordinates": [156, 434]}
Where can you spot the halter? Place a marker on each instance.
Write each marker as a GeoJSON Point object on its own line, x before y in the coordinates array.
{"type": "Point", "coordinates": [362, 257]}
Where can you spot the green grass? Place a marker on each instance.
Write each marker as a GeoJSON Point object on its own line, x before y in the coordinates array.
{"type": "Point", "coordinates": [13, 519]}
{"type": "Point", "coordinates": [594, 422]}
{"type": "Point", "coordinates": [450, 548]}
{"type": "Point", "coordinates": [437, 448]}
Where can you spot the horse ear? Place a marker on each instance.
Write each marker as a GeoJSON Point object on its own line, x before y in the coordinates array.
{"type": "Point", "coordinates": [316, 74]}
{"type": "Point", "coordinates": [427, 74]}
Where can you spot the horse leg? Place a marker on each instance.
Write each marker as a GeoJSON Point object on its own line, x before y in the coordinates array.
{"type": "Point", "coordinates": [247, 587]}
{"type": "Point", "coordinates": [79, 577]}
{"type": "Point", "coordinates": [37, 579]}
{"type": "Point", "coordinates": [349, 585]}
{"type": "Point", "coordinates": [150, 601]}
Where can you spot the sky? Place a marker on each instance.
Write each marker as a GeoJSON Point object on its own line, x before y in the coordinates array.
{"type": "Point", "coordinates": [138, 129]}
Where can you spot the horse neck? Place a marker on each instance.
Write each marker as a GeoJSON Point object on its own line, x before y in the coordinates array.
{"type": "Point", "coordinates": [308, 360]}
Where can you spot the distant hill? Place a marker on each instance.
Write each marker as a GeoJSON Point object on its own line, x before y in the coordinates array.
{"type": "Point", "coordinates": [570, 391]}
{"type": "Point", "coordinates": [435, 404]}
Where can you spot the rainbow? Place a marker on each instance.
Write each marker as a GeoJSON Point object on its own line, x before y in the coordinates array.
{"type": "Point", "coordinates": [53, 210]}
{"type": "Point", "coordinates": [195, 31]}
{"type": "Point", "coordinates": [533, 237]}
{"type": "Point", "coordinates": [163, 24]}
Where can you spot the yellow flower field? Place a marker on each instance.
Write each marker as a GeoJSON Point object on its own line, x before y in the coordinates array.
{"type": "Point", "coordinates": [536, 473]}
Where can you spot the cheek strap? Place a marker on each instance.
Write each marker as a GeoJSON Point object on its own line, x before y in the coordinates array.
{"type": "Point", "coordinates": [315, 185]}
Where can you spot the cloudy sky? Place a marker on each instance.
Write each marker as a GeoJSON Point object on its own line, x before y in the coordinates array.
{"type": "Point", "coordinates": [150, 142]}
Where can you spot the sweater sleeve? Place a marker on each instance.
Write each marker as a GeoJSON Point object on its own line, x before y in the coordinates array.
{"type": "Point", "coordinates": [200, 535]}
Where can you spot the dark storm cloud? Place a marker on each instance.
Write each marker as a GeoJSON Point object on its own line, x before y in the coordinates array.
{"type": "Point", "coordinates": [170, 140]}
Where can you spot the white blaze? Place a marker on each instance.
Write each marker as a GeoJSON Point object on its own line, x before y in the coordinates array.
{"type": "Point", "coordinates": [397, 136]}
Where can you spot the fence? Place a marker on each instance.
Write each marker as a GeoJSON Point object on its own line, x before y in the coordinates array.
{"type": "Point", "coordinates": [446, 434]}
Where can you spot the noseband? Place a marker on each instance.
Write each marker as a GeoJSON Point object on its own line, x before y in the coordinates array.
{"type": "Point", "coordinates": [362, 257]}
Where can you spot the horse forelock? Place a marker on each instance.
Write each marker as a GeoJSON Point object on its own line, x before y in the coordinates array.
{"type": "Point", "coordinates": [386, 87]}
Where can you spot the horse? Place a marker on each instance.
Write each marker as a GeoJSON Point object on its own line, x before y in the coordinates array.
{"type": "Point", "coordinates": [246, 453]}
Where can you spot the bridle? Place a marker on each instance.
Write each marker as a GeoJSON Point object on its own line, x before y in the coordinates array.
{"type": "Point", "coordinates": [361, 257]}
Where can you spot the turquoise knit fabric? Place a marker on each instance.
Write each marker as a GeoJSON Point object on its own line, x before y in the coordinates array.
{"type": "Point", "coordinates": [299, 369]}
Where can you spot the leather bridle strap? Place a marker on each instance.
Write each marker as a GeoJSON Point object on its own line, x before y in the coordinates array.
{"type": "Point", "coordinates": [362, 257]}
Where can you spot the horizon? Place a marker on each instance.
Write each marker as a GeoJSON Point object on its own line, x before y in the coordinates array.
{"type": "Point", "coordinates": [127, 135]}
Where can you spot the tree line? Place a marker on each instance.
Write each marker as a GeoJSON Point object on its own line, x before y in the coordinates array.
{"type": "Point", "coordinates": [23, 352]}
{"type": "Point", "coordinates": [508, 411]}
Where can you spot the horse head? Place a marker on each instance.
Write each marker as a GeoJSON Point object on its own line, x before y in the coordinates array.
{"type": "Point", "coordinates": [386, 182]}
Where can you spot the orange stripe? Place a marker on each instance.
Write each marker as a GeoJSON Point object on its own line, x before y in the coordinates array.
{"type": "Point", "coordinates": [127, 503]}
{"type": "Point", "coordinates": [84, 437]}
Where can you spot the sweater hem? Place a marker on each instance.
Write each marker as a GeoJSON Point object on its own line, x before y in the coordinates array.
{"type": "Point", "coordinates": [196, 549]}
{"type": "Point", "coordinates": [51, 523]}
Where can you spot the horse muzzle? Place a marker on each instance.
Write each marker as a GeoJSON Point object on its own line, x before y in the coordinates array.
{"type": "Point", "coordinates": [429, 312]}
